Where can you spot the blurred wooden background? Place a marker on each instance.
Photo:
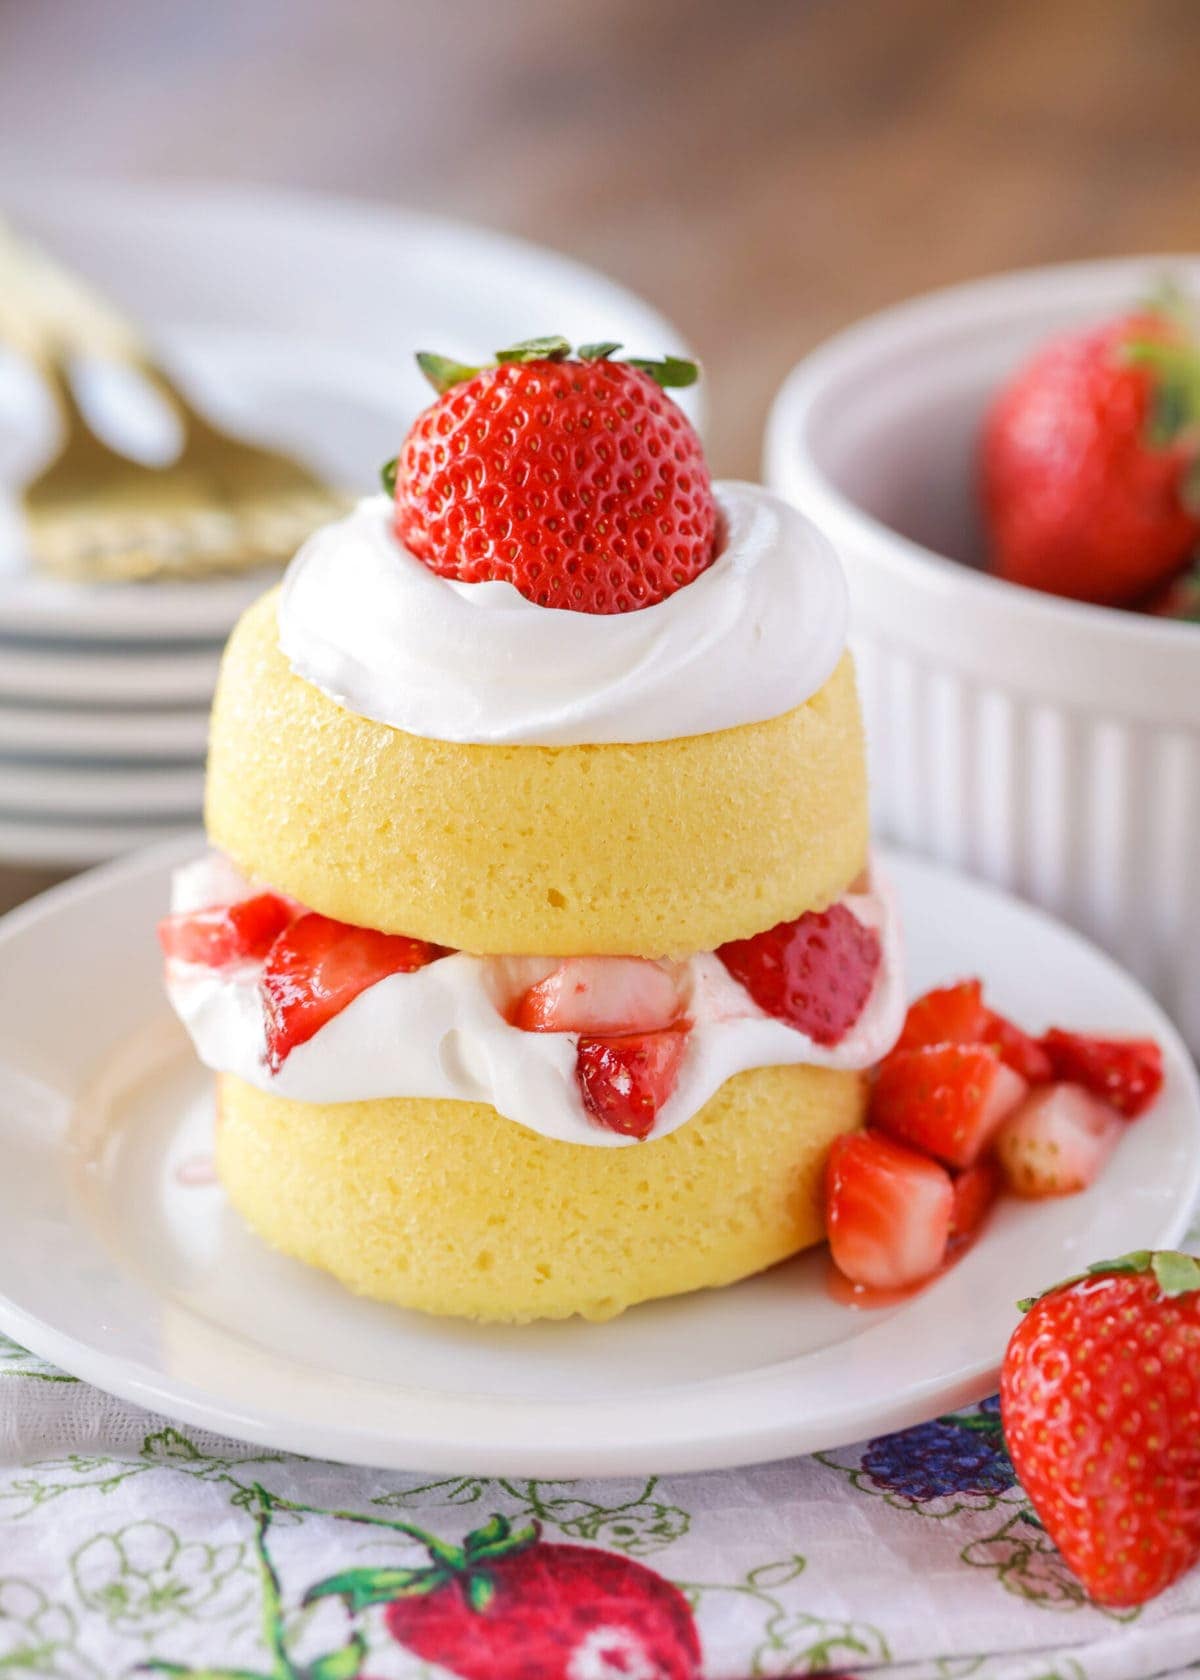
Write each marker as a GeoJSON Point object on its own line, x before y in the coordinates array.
{"type": "Point", "coordinates": [763, 170]}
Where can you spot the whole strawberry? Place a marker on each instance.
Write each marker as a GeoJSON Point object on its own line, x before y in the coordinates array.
{"type": "Point", "coordinates": [1089, 461]}
{"type": "Point", "coordinates": [1100, 1397]}
{"type": "Point", "coordinates": [507, 1605]}
{"type": "Point", "coordinates": [576, 479]}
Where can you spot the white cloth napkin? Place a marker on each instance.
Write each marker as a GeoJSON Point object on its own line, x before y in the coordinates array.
{"type": "Point", "coordinates": [126, 1540]}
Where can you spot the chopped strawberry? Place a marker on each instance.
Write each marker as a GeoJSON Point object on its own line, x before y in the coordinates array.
{"type": "Point", "coordinates": [626, 1080]}
{"type": "Point", "coordinates": [318, 966]}
{"type": "Point", "coordinates": [887, 1211]}
{"type": "Point", "coordinates": [1024, 1055]}
{"type": "Point", "coordinates": [947, 1015]}
{"type": "Point", "coordinates": [958, 1015]}
{"type": "Point", "coordinates": [1056, 1142]}
{"type": "Point", "coordinates": [227, 933]}
{"type": "Point", "coordinates": [946, 1100]}
{"type": "Point", "coordinates": [816, 973]}
{"type": "Point", "coordinates": [1126, 1072]}
{"type": "Point", "coordinates": [974, 1192]}
{"type": "Point", "coordinates": [601, 995]}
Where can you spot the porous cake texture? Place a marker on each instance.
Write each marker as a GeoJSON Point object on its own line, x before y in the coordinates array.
{"type": "Point", "coordinates": [658, 848]}
{"type": "Point", "coordinates": [450, 1208]}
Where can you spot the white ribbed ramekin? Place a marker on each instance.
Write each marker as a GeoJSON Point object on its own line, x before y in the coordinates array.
{"type": "Point", "coordinates": [1050, 746]}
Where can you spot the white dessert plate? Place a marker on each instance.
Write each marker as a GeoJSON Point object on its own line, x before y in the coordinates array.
{"type": "Point", "coordinates": [122, 677]}
{"type": "Point", "coordinates": [325, 288]}
{"type": "Point", "coordinates": [99, 733]}
{"type": "Point", "coordinates": [62, 841]}
{"type": "Point", "coordinates": [106, 792]}
{"type": "Point", "coordinates": [121, 1262]}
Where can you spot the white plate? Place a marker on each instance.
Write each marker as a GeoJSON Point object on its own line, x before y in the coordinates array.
{"type": "Point", "coordinates": [54, 842]}
{"type": "Point", "coordinates": [118, 1266]}
{"type": "Point", "coordinates": [341, 288]}
{"type": "Point", "coordinates": [113, 791]}
{"type": "Point", "coordinates": [94, 733]}
{"type": "Point", "coordinates": [125, 677]}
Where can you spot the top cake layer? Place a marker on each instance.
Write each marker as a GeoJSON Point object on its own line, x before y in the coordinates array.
{"type": "Point", "coordinates": [754, 636]}
{"type": "Point", "coordinates": [645, 849]}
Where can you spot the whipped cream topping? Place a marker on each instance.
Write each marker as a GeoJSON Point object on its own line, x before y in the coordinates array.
{"type": "Point", "coordinates": [755, 635]}
{"type": "Point", "coordinates": [440, 1031]}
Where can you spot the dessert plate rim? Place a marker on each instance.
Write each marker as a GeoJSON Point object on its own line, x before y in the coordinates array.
{"type": "Point", "coordinates": [151, 1340]}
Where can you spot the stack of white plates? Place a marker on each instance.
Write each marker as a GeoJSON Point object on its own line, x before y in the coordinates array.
{"type": "Point", "coordinates": [104, 698]}
{"type": "Point", "coordinates": [292, 321]}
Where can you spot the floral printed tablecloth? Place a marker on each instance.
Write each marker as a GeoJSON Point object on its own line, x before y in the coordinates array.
{"type": "Point", "coordinates": [128, 1544]}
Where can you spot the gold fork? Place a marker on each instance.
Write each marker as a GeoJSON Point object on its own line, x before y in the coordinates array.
{"type": "Point", "coordinates": [94, 514]}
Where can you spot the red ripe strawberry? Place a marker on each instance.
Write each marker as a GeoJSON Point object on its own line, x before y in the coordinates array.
{"type": "Point", "coordinates": [577, 481]}
{"type": "Point", "coordinates": [1056, 1142]}
{"type": "Point", "coordinates": [228, 933]}
{"type": "Point", "coordinates": [626, 1080]}
{"type": "Point", "coordinates": [887, 1211]}
{"type": "Point", "coordinates": [815, 973]}
{"type": "Point", "coordinates": [947, 1100]}
{"type": "Point", "coordinates": [1087, 462]}
{"type": "Point", "coordinates": [975, 1190]}
{"type": "Point", "coordinates": [947, 1015]}
{"type": "Point", "coordinates": [1100, 1400]}
{"type": "Point", "coordinates": [601, 995]}
{"type": "Point", "coordinates": [318, 966]}
{"type": "Point", "coordinates": [509, 1606]}
{"type": "Point", "coordinates": [1024, 1055]}
{"type": "Point", "coordinates": [1126, 1072]}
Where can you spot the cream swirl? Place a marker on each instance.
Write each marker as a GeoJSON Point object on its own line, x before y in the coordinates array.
{"type": "Point", "coordinates": [443, 1032]}
{"type": "Point", "coordinates": [755, 635]}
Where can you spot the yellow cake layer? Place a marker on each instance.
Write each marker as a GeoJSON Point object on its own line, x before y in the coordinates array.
{"type": "Point", "coordinates": [449, 1208]}
{"type": "Point", "coordinates": [660, 848]}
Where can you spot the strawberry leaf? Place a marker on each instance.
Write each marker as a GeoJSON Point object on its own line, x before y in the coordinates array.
{"type": "Point", "coordinates": [497, 1539]}
{"type": "Point", "coordinates": [443, 372]}
{"type": "Point", "coordinates": [496, 1528]}
{"type": "Point", "coordinates": [1175, 369]}
{"type": "Point", "coordinates": [671, 371]}
{"type": "Point", "coordinates": [363, 1587]}
{"type": "Point", "coordinates": [480, 1592]}
{"type": "Point", "coordinates": [387, 475]}
{"type": "Point", "coordinates": [1177, 1274]}
{"type": "Point", "coordinates": [552, 349]}
{"type": "Point", "coordinates": [345, 1664]}
{"type": "Point", "coordinates": [597, 352]}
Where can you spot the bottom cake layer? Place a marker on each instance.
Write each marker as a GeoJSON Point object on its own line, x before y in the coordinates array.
{"type": "Point", "coordinates": [449, 1208]}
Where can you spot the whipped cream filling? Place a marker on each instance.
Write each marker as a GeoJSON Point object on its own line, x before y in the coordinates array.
{"type": "Point", "coordinates": [441, 1032]}
{"type": "Point", "coordinates": [754, 636]}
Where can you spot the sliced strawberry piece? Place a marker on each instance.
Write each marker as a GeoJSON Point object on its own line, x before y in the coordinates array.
{"type": "Point", "coordinates": [815, 973]}
{"type": "Point", "coordinates": [626, 1080]}
{"type": "Point", "coordinates": [227, 933]}
{"type": "Point", "coordinates": [947, 1015]}
{"type": "Point", "coordinates": [975, 1190]}
{"type": "Point", "coordinates": [318, 966]}
{"type": "Point", "coordinates": [946, 1100]}
{"type": "Point", "coordinates": [1126, 1072]}
{"type": "Point", "coordinates": [887, 1211]}
{"type": "Point", "coordinates": [1057, 1141]}
{"type": "Point", "coordinates": [608, 995]}
{"type": "Point", "coordinates": [1024, 1055]}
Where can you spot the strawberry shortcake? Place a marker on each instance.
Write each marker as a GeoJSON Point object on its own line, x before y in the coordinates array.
{"type": "Point", "coordinates": [539, 954]}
